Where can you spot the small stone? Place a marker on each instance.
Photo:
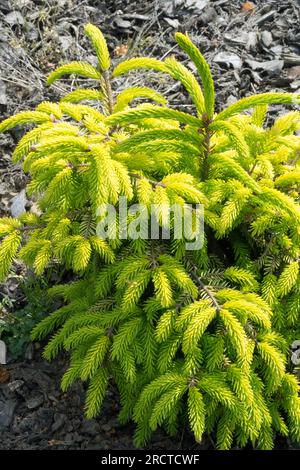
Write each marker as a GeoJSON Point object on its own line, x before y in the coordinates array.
{"type": "Point", "coordinates": [124, 24]}
{"type": "Point", "coordinates": [62, 3]}
{"type": "Point", "coordinates": [15, 385]}
{"type": "Point", "coordinates": [34, 209]}
{"type": "Point", "coordinates": [106, 427]}
{"type": "Point", "coordinates": [90, 427]}
{"type": "Point", "coordinates": [42, 419]}
{"type": "Point", "coordinates": [52, 397]}
{"type": "Point", "coordinates": [197, 4]}
{"type": "Point", "coordinates": [65, 42]}
{"type": "Point", "coordinates": [35, 402]}
{"type": "Point", "coordinates": [230, 100]}
{"type": "Point", "coordinates": [69, 427]}
{"type": "Point", "coordinates": [2, 352]}
{"type": "Point", "coordinates": [14, 17]}
{"type": "Point", "coordinates": [252, 41]}
{"type": "Point", "coordinates": [32, 32]}
{"type": "Point", "coordinates": [172, 22]}
{"type": "Point", "coordinates": [24, 3]}
{"type": "Point", "coordinates": [77, 438]}
{"type": "Point", "coordinates": [59, 421]}
{"type": "Point", "coordinates": [295, 84]}
{"type": "Point", "coordinates": [18, 204]}
{"type": "Point", "coordinates": [277, 50]}
{"type": "Point", "coordinates": [266, 37]}
{"type": "Point", "coordinates": [208, 15]}
{"type": "Point", "coordinates": [61, 28]}
{"type": "Point", "coordinates": [241, 38]}
{"type": "Point", "coordinates": [3, 97]}
{"type": "Point", "coordinates": [294, 72]}
{"type": "Point", "coordinates": [273, 66]}
{"type": "Point", "coordinates": [231, 59]}
{"type": "Point", "coordinates": [69, 439]}
{"type": "Point", "coordinates": [7, 410]}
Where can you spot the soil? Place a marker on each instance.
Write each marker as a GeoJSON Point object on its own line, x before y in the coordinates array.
{"type": "Point", "coordinates": [251, 47]}
{"type": "Point", "coordinates": [36, 414]}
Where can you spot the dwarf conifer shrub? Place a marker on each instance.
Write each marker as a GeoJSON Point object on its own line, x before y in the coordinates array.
{"type": "Point", "coordinates": [198, 336]}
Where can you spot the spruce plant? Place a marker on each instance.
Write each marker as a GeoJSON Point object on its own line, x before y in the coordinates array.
{"type": "Point", "coordinates": [196, 337]}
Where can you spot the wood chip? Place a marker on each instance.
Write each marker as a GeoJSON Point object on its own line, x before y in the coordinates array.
{"type": "Point", "coordinates": [122, 50]}
{"type": "Point", "coordinates": [4, 375]}
{"type": "Point", "coordinates": [248, 6]}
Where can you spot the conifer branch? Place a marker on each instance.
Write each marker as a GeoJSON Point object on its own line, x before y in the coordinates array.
{"type": "Point", "coordinates": [132, 175]}
{"type": "Point", "coordinates": [26, 228]}
{"type": "Point", "coordinates": [152, 182]}
{"type": "Point", "coordinates": [31, 227]}
{"type": "Point", "coordinates": [206, 146]}
{"type": "Point", "coordinates": [203, 287]}
{"type": "Point", "coordinates": [108, 91]}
